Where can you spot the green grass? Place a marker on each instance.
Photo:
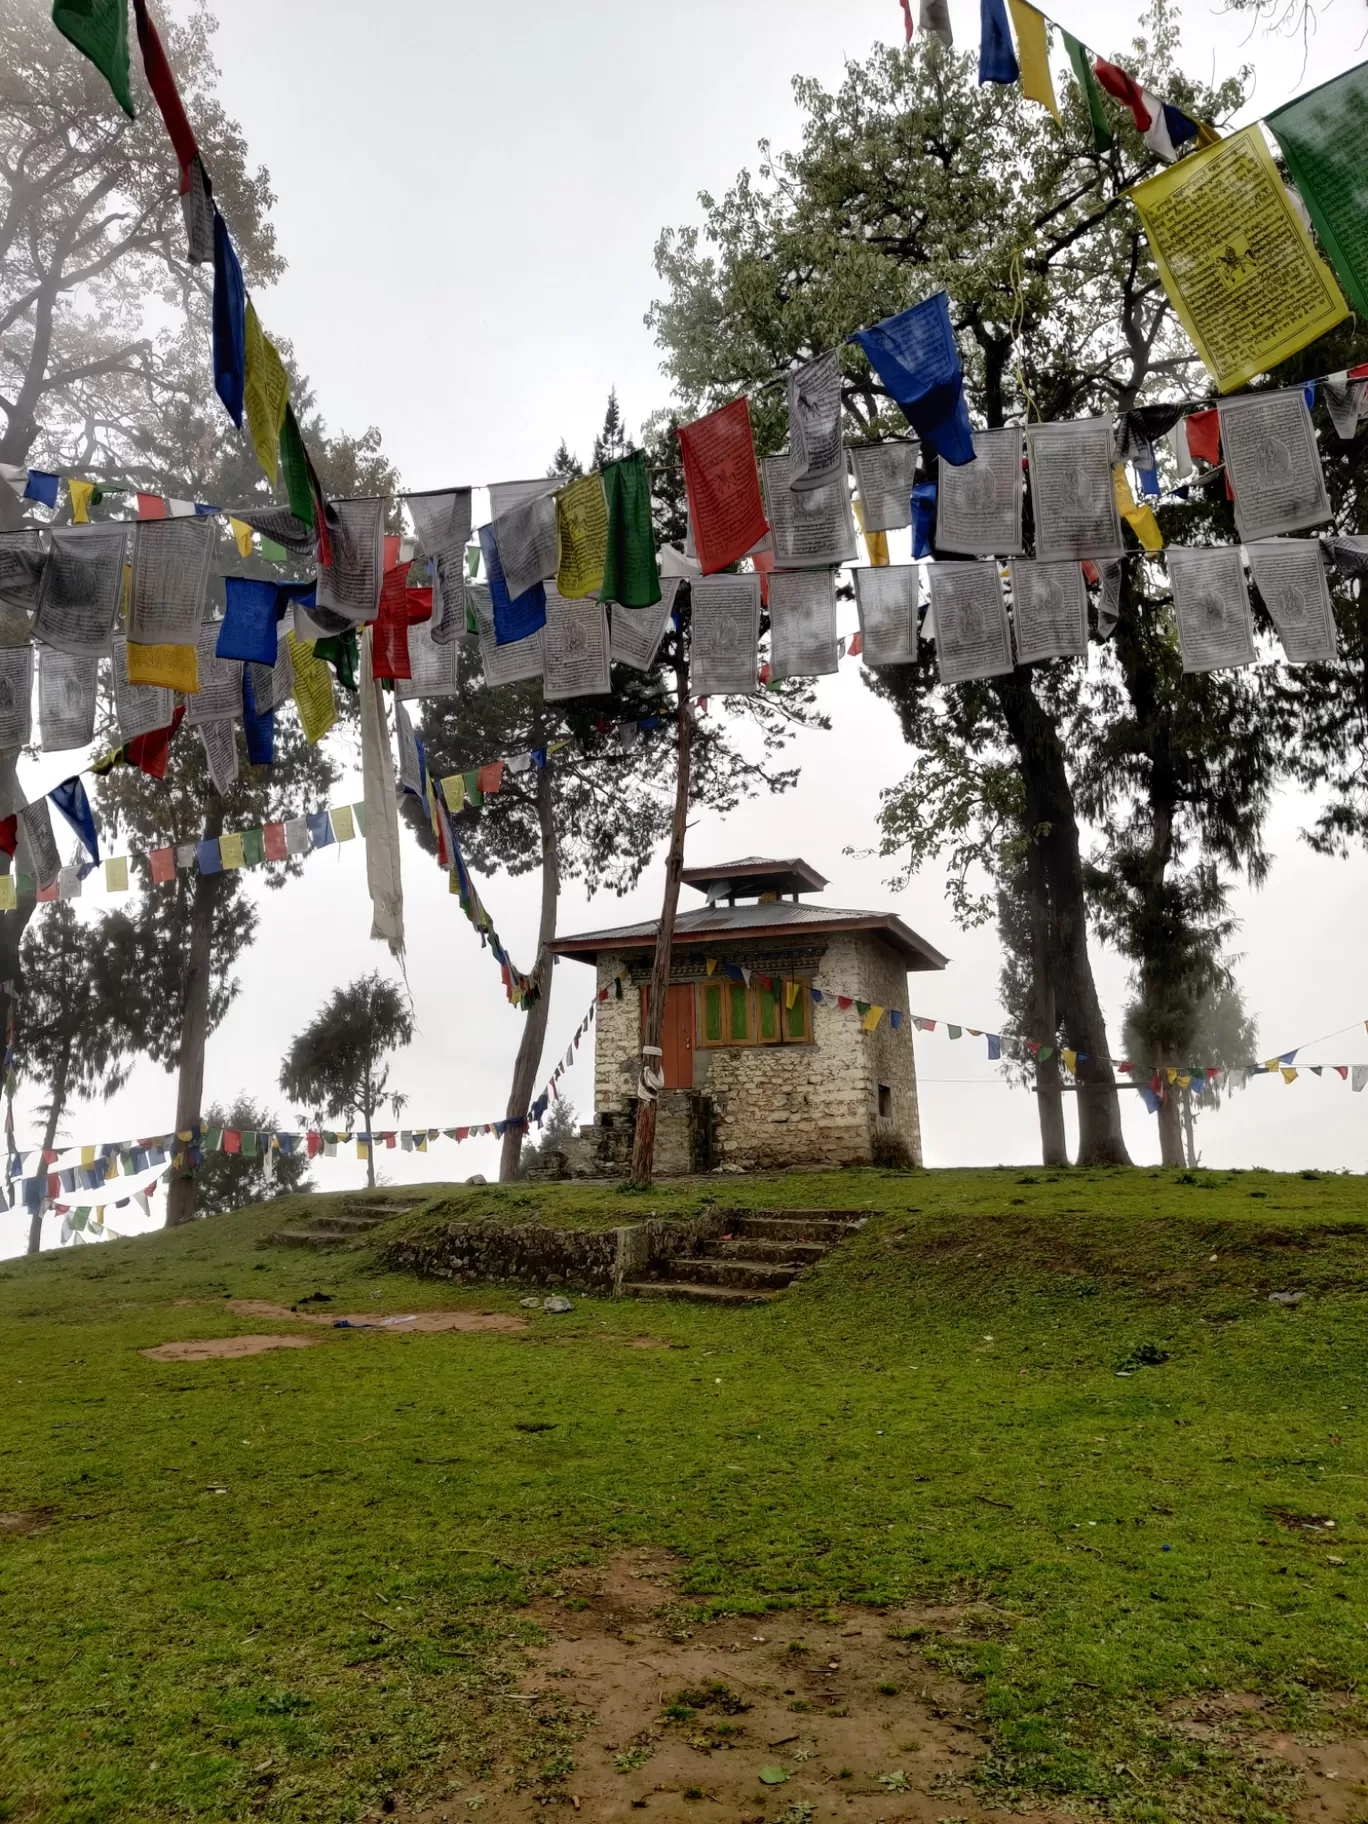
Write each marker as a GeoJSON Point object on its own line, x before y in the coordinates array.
{"type": "Point", "coordinates": [936, 1413]}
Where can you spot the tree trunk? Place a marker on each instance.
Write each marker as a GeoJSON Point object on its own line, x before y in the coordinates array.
{"type": "Point", "coordinates": [1188, 1128]}
{"type": "Point", "coordinates": [368, 1110]}
{"type": "Point", "coordinates": [643, 1145]}
{"type": "Point", "coordinates": [1054, 1146]}
{"type": "Point", "coordinates": [534, 1026]}
{"type": "Point", "coordinates": [1054, 828]}
{"type": "Point", "coordinates": [1170, 1131]}
{"type": "Point", "coordinates": [58, 1103]}
{"type": "Point", "coordinates": [180, 1193]}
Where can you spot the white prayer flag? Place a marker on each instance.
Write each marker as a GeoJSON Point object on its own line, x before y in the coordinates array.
{"type": "Point", "coordinates": [814, 422]}
{"type": "Point", "coordinates": [350, 585]}
{"type": "Point", "coordinates": [575, 648]}
{"type": "Point", "coordinates": [434, 666]}
{"type": "Point", "coordinates": [21, 568]}
{"type": "Point", "coordinates": [1273, 462]}
{"type": "Point", "coordinates": [726, 635]}
{"type": "Point", "coordinates": [527, 543]}
{"type": "Point", "coordinates": [16, 696]}
{"type": "Point", "coordinates": [138, 708]}
{"type": "Point", "coordinates": [1289, 574]}
{"type": "Point", "coordinates": [802, 607]}
{"type": "Point", "coordinates": [170, 577]}
{"type": "Point", "coordinates": [82, 588]}
{"type": "Point", "coordinates": [219, 697]}
{"type": "Point", "coordinates": [1211, 602]}
{"type": "Point", "coordinates": [1049, 610]}
{"type": "Point", "coordinates": [35, 822]}
{"type": "Point", "coordinates": [884, 473]}
{"type": "Point", "coordinates": [516, 661]}
{"type": "Point", "coordinates": [635, 633]}
{"type": "Point", "coordinates": [442, 522]}
{"type": "Point", "coordinates": [66, 699]}
{"type": "Point", "coordinates": [973, 638]}
{"type": "Point", "coordinates": [886, 599]}
{"type": "Point", "coordinates": [220, 753]}
{"type": "Point", "coordinates": [296, 836]}
{"type": "Point", "coordinates": [978, 504]}
{"type": "Point", "coordinates": [812, 528]}
{"type": "Point", "coordinates": [1071, 490]}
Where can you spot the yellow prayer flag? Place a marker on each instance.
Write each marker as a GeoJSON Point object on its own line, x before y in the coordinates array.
{"type": "Point", "coordinates": [242, 532]}
{"type": "Point", "coordinates": [581, 536]}
{"type": "Point", "coordinates": [9, 893]}
{"type": "Point", "coordinates": [230, 850]}
{"type": "Point", "coordinates": [1288, 1074]}
{"type": "Point", "coordinates": [1033, 55]}
{"type": "Point", "coordinates": [1272, 1064]}
{"type": "Point", "coordinates": [876, 543]}
{"type": "Point", "coordinates": [1172, 1075]}
{"type": "Point", "coordinates": [453, 790]}
{"type": "Point", "coordinates": [265, 393]}
{"type": "Point", "coordinates": [343, 823]}
{"type": "Point", "coordinates": [1185, 1080]}
{"type": "Point", "coordinates": [363, 1149]}
{"type": "Point", "coordinates": [1236, 259]}
{"type": "Point", "coordinates": [1140, 519]}
{"type": "Point", "coordinates": [116, 874]}
{"type": "Point", "coordinates": [872, 1018]}
{"type": "Point", "coordinates": [1070, 1059]}
{"type": "Point", "coordinates": [87, 1155]}
{"type": "Point", "coordinates": [313, 691]}
{"type": "Point", "coordinates": [174, 666]}
{"type": "Point", "coordinates": [790, 993]}
{"type": "Point", "coordinates": [80, 492]}
{"type": "Point", "coordinates": [711, 968]}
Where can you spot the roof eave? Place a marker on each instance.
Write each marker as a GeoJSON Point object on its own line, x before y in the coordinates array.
{"type": "Point", "coordinates": [915, 951]}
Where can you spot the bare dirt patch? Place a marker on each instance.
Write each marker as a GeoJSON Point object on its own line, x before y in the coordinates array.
{"type": "Point", "coordinates": [1325, 1781]}
{"type": "Point", "coordinates": [787, 1720]}
{"type": "Point", "coordinates": [429, 1323]}
{"type": "Point", "coordinates": [25, 1521]}
{"type": "Point", "coordinates": [213, 1348]}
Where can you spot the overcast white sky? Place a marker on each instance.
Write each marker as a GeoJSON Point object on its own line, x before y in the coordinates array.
{"type": "Point", "coordinates": [468, 199]}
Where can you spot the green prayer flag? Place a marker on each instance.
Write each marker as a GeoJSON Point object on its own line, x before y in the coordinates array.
{"type": "Point", "coordinates": [213, 1139]}
{"type": "Point", "coordinates": [630, 575]}
{"type": "Point", "coordinates": [473, 795]}
{"type": "Point", "coordinates": [472, 568]}
{"type": "Point", "coordinates": [340, 652]}
{"type": "Point", "coordinates": [954, 1032]}
{"type": "Point", "coordinates": [295, 464]}
{"type": "Point", "coordinates": [862, 1008]}
{"type": "Point", "coordinates": [249, 1142]}
{"type": "Point", "coordinates": [253, 848]}
{"type": "Point", "coordinates": [99, 30]}
{"type": "Point", "coordinates": [1092, 94]}
{"type": "Point", "coordinates": [359, 812]}
{"type": "Point", "coordinates": [1322, 137]}
{"type": "Point", "coordinates": [276, 554]}
{"type": "Point", "coordinates": [1046, 1051]}
{"type": "Point", "coordinates": [27, 884]}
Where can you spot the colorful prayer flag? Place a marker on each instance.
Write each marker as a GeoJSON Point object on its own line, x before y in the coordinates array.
{"type": "Point", "coordinates": [722, 481]}
{"type": "Point", "coordinates": [313, 692]}
{"type": "Point", "coordinates": [163, 865]}
{"type": "Point", "coordinates": [344, 829]}
{"type": "Point", "coordinates": [581, 536]}
{"type": "Point", "coordinates": [915, 356]}
{"type": "Point", "coordinates": [1320, 135]}
{"type": "Point", "coordinates": [631, 576]}
{"type": "Point", "coordinates": [1092, 95]}
{"type": "Point", "coordinates": [230, 850]}
{"type": "Point", "coordinates": [997, 59]}
{"type": "Point", "coordinates": [1033, 51]}
{"type": "Point", "coordinates": [99, 30]}
{"type": "Point", "coordinates": [229, 315]}
{"type": "Point", "coordinates": [266, 393]}
{"type": "Point", "coordinates": [81, 493]}
{"type": "Point", "coordinates": [176, 667]}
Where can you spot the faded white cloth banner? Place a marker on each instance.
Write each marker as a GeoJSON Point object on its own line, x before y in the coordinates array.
{"type": "Point", "coordinates": [814, 423]}
{"type": "Point", "coordinates": [978, 504]}
{"type": "Point", "coordinates": [82, 588]}
{"type": "Point", "coordinates": [442, 522]}
{"type": "Point", "coordinates": [350, 585]}
{"type": "Point", "coordinates": [884, 473]}
{"type": "Point", "coordinates": [170, 577]}
{"type": "Point", "coordinates": [1211, 602]}
{"type": "Point", "coordinates": [382, 811]}
{"type": "Point", "coordinates": [1273, 462]}
{"type": "Point", "coordinates": [410, 767]}
{"type": "Point", "coordinates": [527, 542]}
{"type": "Point", "coordinates": [1071, 490]}
{"type": "Point", "coordinates": [802, 606]}
{"type": "Point", "coordinates": [1109, 602]}
{"type": "Point", "coordinates": [272, 685]}
{"type": "Point", "coordinates": [434, 667]}
{"type": "Point", "coordinates": [66, 699]}
{"type": "Point", "coordinates": [575, 648]}
{"type": "Point", "coordinates": [21, 568]}
{"type": "Point", "coordinates": [16, 696]}
{"type": "Point", "coordinates": [635, 633]}
{"type": "Point", "coordinates": [1289, 574]}
{"type": "Point", "coordinates": [35, 822]}
{"type": "Point", "coordinates": [1049, 610]}
{"type": "Point", "coordinates": [1344, 402]}
{"type": "Point", "coordinates": [726, 635]}
{"type": "Point", "coordinates": [887, 599]}
{"type": "Point", "coordinates": [138, 708]}
{"type": "Point", "coordinates": [973, 637]}
{"type": "Point", "coordinates": [219, 697]}
{"type": "Point", "coordinates": [812, 528]}
{"type": "Point", "coordinates": [220, 753]}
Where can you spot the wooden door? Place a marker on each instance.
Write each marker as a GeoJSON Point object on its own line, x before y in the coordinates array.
{"type": "Point", "coordinates": [677, 1034]}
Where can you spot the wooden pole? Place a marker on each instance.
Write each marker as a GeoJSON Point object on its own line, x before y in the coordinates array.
{"type": "Point", "coordinates": [643, 1145]}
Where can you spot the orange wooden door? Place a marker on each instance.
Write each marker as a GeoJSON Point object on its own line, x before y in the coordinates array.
{"type": "Point", "coordinates": [677, 1035]}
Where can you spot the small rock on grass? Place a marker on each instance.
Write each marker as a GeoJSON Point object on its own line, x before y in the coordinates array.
{"type": "Point", "coordinates": [557, 1304]}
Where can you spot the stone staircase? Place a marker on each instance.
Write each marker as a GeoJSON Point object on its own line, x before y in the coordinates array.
{"type": "Point", "coordinates": [349, 1222]}
{"type": "Point", "coordinates": [759, 1253]}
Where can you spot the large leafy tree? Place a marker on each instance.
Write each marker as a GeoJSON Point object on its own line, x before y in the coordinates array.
{"type": "Point", "coordinates": [230, 1181]}
{"type": "Point", "coordinates": [909, 178]}
{"type": "Point", "coordinates": [337, 1067]}
{"type": "Point", "coordinates": [597, 810]}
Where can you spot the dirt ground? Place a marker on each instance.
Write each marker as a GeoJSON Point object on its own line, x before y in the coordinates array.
{"type": "Point", "coordinates": [407, 1323]}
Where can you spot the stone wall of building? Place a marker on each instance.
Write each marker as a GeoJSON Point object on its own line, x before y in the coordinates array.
{"type": "Point", "coordinates": [780, 1105]}
{"type": "Point", "coordinates": [527, 1254]}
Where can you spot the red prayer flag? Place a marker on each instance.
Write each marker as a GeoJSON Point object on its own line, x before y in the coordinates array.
{"type": "Point", "coordinates": [907, 20]}
{"type": "Point", "coordinates": [1090, 572]}
{"type": "Point", "coordinates": [150, 752]}
{"type": "Point", "coordinates": [1204, 435]}
{"type": "Point", "coordinates": [151, 506]}
{"type": "Point", "coordinates": [232, 1140]}
{"type": "Point", "coordinates": [461, 1132]}
{"type": "Point", "coordinates": [54, 1183]}
{"type": "Point", "coordinates": [764, 564]}
{"type": "Point", "coordinates": [48, 892]}
{"type": "Point", "coordinates": [1126, 90]}
{"type": "Point", "coordinates": [165, 93]}
{"type": "Point", "coordinates": [765, 674]}
{"type": "Point", "coordinates": [163, 865]}
{"type": "Point", "coordinates": [1357, 373]}
{"type": "Point", "coordinates": [9, 834]}
{"type": "Point", "coordinates": [723, 484]}
{"type": "Point", "coordinates": [490, 778]}
{"type": "Point", "coordinates": [1343, 1070]}
{"type": "Point", "coordinates": [392, 543]}
{"type": "Point", "coordinates": [388, 1140]}
{"type": "Point", "coordinates": [856, 646]}
{"type": "Point", "coordinates": [844, 1000]}
{"type": "Point", "coordinates": [314, 1143]}
{"type": "Point", "coordinates": [274, 838]}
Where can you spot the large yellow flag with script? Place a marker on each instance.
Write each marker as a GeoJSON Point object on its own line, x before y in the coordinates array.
{"type": "Point", "coordinates": [1236, 260]}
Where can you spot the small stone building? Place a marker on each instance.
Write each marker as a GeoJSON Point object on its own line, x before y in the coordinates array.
{"type": "Point", "coordinates": [759, 1071]}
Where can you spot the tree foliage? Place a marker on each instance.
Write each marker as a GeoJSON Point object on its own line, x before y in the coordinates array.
{"type": "Point", "coordinates": [230, 1181]}
{"type": "Point", "coordinates": [336, 1067]}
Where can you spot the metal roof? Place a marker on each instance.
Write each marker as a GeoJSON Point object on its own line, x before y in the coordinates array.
{"type": "Point", "coordinates": [757, 874]}
{"type": "Point", "coordinates": [713, 926]}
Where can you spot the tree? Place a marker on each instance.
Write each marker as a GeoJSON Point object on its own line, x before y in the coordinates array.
{"type": "Point", "coordinates": [909, 178]}
{"type": "Point", "coordinates": [559, 1126]}
{"type": "Point", "coordinates": [1224, 1034]}
{"type": "Point", "coordinates": [612, 442]}
{"type": "Point", "coordinates": [336, 1067]}
{"type": "Point", "coordinates": [79, 1012]}
{"type": "Point", "coordinates": [597, 809]}
{"type": "Point", "coordinates": [230, 1181]}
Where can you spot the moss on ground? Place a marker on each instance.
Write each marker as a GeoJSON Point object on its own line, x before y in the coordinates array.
{"type": "Point", "coordinates": [288, 1585]}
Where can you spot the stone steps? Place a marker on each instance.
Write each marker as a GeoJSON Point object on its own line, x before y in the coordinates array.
{"type": "Point", "coordinates": [700, 1294]}
{"type": "Point", "coordinates": [334, 1230]}
{"type": "Point", "coordinates": [775, 1253]}
{"type": "Point", "coordinates": [797, 1225]}
{"type": "Point", "coordinates": [759, 1275]}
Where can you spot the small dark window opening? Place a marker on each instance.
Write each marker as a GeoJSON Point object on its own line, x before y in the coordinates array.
{"type": "Point", "coordinates": [885, 1102]}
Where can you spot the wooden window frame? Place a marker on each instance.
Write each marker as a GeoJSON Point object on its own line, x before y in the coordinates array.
{"type": "Point", "coordinates": [754, 1039]}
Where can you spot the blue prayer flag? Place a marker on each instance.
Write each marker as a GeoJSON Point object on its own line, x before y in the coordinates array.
{"type": "Point", "coordinates": [997, 59]}
{"type": "Point", "coordinates": [994, 1046]}
{"type": "Point", "coordinates": [914, 354]}
{"type": "Point", "coordinates": [320, 829]}
{"type": "Point", "coordinates": [253, 606]}
{"type": "Point", "coordinates": [923, 517]}
{"type": "Point", "coordinates": [70, 799]}
{"type": "Point", "coordinates": [259, 724]}
{"type": "Point", "coordinates": [42, 487]}
{"type": "Point", "coordinates": [230, 323]}
{"type": "Point", "coordinates": [208, 856]}
{"type": "Point", "coordinates": [513, 620]}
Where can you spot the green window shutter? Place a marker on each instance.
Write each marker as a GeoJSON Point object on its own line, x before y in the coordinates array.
{"type": "Point", "coordinates": [797, 1014]}
{"type": "Point", "coordinates": [740, 1025]}
{"type": "Point", "coordinates": [767, 1007]}
{"type": "Point", "coordinates": [712, 1013]}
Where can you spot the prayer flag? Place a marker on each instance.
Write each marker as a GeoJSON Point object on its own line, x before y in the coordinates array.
{"type": "Point", "coordinates": [230, 850]}
{"type": "Point", "coordinates": [273, 840]}
{"type": "Point", "coordinates": [253, 849]}
{"type": "Point", "coordinates": [295, 462]}
{"type": "Point", "coordinates": [515, 618]}
{"type": "Point", "coordinates": [1087, 82]}
{"type": "Point", "coordinates": [871, 1018]}
{"type": "Point", "coordinates": [934, 16]}
{"type": "Point", "coordinates": [313, 692]}
{"type": "Point", "coordinates": [997, 60]}
{"type": "Point", "coordinates": [489, 779]}
{"type": "Point", "coordinates": [99, 29]}
{"type": "Point", "coordinates": [581, 536]}
{"type": "Point", "coordinates": [151, 506]}
{"type": "Point", "coordinates": [631, 576]}
{"type": "Point", "coordinates": [242, 536]}
{"type": "Point", "coordinates": [253, 607]}
{"type": "Point", "coordinates": [726, 513]}
{"type": "Point", "coordinates": [258, 724]}
{"type": "Point", "coordinates": [876, 543]}
{"type": "Point", "coordinates": [1036, 82]}
{"type": "Point", "coordinates": [80, 492]}
{"type": "Point", "coordinates": [70, 799]}
{"type": "Point", "coordinates": [1140, 519]}
{"type": "Point", "coordinates": [344, 828]}
{"type": "Point", "coordinates": [266, 392]}
{"type": "Point", "coordinates": [162, 83]}
{"type": "Point", "coordinates": [9, 897]}
{"type": "Point", "coordinates": [163, 865]}
{"type": "Point", "coordinates": [174, 667]}
{"type": "Point", "coordinates": [1320, 135]}
{"type": "Point", "coordinates": [1236, 260]}
{"type": "Point", "coordinates": [453, 790]}
{"type": "Point", "coordinates": [915, 356]}
{"type": "Point", "coordinates": [42, 487]}
{"type": "Point", "coordinates": [229, 322]}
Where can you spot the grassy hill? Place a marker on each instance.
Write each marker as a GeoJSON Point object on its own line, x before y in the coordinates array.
{"type": "Point", "coordinates": [1060, 1404]}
